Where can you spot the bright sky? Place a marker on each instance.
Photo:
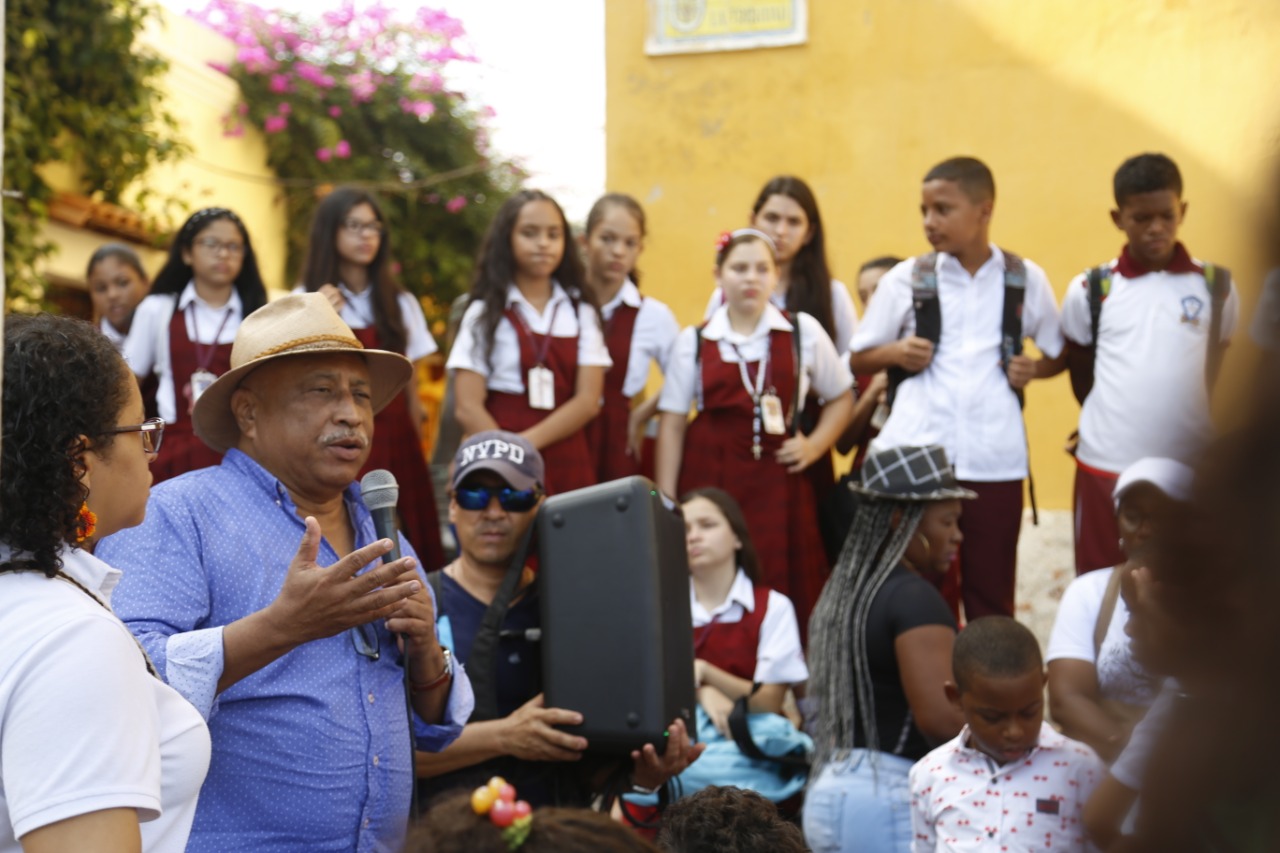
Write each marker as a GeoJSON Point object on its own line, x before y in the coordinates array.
{"type": "Point", "coordinates": [542, 70]}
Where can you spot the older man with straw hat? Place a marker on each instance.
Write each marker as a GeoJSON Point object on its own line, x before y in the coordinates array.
{"type": "Point", "coordinates": [254, 586]}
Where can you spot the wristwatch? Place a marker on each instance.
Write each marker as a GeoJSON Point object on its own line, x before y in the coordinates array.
{"type": "Point", "coordinates": [442, 678]}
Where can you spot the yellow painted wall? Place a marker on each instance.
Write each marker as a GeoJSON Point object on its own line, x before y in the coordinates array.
{"type": "Point", "coordinates": [220, 171]}
{"type": "Point", "coordinates": [1052, 94]}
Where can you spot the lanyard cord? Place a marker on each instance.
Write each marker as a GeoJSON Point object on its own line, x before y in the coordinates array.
{"type": "Point", "coordinates": [755, 393]}
{"type": "Point", "coordinates": [540, 353]}
{"type": "Point", "coordinates": [205, 358]}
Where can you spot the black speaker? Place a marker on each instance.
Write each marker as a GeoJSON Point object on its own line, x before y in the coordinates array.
{"type": "Point", "coordinates": [617, 636]}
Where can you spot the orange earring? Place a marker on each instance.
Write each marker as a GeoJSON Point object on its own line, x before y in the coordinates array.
{"type": "Point", "coordinates": [86, 523]}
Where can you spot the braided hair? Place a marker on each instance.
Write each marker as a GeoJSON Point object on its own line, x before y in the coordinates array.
{"type": "Point", "coordinates": [840, 677]}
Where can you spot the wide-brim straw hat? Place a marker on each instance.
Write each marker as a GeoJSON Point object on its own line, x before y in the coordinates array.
{"type": "Point", "coordinates": [298, 324]}
{"type": "Point", "coordinates": [910, 474]}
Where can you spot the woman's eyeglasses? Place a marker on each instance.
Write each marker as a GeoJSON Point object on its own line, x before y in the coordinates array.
{"type": "Point", "coordinates": [509, 499]}
{"type": "Point", "coordinates": [216, 247]}
{"type": "Point", "coordinates": [152, 431]}
{"type": "Point", "coordinates": [356, 226]}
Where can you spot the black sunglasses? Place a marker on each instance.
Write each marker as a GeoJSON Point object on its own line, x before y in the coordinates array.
{"type": "Point", "coordinates": [508, 498]}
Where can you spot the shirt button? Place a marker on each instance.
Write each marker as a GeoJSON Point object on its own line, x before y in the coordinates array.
{"type": "Point", "coordinates": [366, 822]}
{"type": "Point", "coordinates": [376, 761]}
{"type": "Point", "coordinates": [371, 698]}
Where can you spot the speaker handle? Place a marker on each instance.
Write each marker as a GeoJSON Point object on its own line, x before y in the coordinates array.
{"type": "Point", "coordinates": [483, 661]}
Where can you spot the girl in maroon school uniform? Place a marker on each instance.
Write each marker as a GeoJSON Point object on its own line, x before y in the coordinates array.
{"type": "Point", "coordinates": [744, 633]}
{"type": "Point", "coordinates": [638, 330]}
{"type": "Point", "coordinates": [530, 355]}
{"type": "Point", "coordinates": [741, 371]}
{"type": "Point", "coordinates": [349, 261]}
{"type": "Point", "coordinates": [182, 333]}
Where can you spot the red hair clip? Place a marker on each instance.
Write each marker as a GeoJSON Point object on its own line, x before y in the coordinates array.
{"type": "Point", "coordinates": [722, 241]}
{"type": "Point", "coordinates": [498, 800]}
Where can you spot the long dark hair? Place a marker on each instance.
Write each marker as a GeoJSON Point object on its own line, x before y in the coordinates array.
{"type": "Point", "coordinates": [63, 379]}
{"type": "Point", "coordinates": [627, 203]}
{"type": "Point", "coordinates": [121, 253]}
{"type": "Point", "coordinates": [496, 266]}
{"type": "Point", "coordinates": [321, 266]}
{"type": "Point", "coordinates": [809, 281]}
{"type": "Point", "coordinates": [176, 273]}
{"type": "Point", "coordinates": [746, 556]}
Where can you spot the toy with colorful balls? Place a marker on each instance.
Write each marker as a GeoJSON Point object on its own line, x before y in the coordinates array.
{"type": "Point", "coordinates": [498, 800]}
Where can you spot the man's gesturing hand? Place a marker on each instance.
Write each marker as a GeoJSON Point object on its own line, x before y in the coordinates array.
{"type": "Point", "coordinates": [320, 601]}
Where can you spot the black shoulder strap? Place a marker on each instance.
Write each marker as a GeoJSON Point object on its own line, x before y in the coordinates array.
{"type": "Point", "coordinates": [1218, 280]}
{"type": "Point", "coordinates": [435, 580]}
{"type": "Point", "coordinates": [928, 314]}
{"type": "Point", "coordinates": [1015, 293]}
{"type": "Point", "coordinates": [1099, 279]}
{"type": "Point", "coordinates": [484, 649]}
{"type": "Point", "coordinates": [697, 365]}
{"type": "Point", "coordinates": [795, 346]}
{"type": "Point", "coordinates": [741, 733]}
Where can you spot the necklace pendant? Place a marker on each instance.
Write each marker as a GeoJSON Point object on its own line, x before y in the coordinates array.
{"type": "Point", "coordinates": [755, 451]}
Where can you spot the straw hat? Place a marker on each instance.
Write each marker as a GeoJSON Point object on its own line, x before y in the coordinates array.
{"type": "Point", "coordinates": [910, 474]}
{"type": "Point", "coordinates": [298, 324]}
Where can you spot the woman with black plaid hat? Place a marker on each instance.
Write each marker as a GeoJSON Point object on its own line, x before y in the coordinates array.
{"type": "Point", "coordinates": [880, 650]}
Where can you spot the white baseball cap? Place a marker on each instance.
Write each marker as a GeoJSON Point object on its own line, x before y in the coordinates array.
{"type": "Point", "coordinates": [1168, 475]}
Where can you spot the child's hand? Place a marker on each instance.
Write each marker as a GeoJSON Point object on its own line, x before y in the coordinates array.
{"type": "Point", "coordinates": [797, 453]}
{"type": "Point", "coordinates": [718, 707]}
{"type": "Point", "coordinates": [914, 353]}
{"type": "Point", "coordinates": [1020, 371]}
{"type": "Point", "coordinates": [333, 295]}
{"type": "Point", "coordinates": [636, 423]}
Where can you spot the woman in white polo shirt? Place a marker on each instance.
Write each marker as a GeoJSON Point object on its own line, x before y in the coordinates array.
{"type": "Point", "coordinates": [99, 754]}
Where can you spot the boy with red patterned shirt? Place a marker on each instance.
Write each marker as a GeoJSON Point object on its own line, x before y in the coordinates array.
{"type": "Point", "coordinates": [1008, 781]}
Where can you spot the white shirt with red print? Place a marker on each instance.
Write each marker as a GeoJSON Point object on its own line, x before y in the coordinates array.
{"type": "Point", "coordinates": [962, 800]}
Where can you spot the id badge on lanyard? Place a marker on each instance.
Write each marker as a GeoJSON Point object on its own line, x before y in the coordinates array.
{"type": "Point", "coordinates": [775, 423]}
{"type": "Point", "coordinates": [202, 377]}
{"type": "Point", "coordinates": [541, 382]}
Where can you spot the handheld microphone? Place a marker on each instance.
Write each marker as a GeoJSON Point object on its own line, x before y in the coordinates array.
{"type": "Point", "coordinates": [380, 493]}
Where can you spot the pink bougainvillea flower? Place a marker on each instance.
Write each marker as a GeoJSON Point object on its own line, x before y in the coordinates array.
{"type": "Point", "coordinates": [284, 108]}
{"type": "Point", "coordinates": [278, 84]}
{"type": "Point", "coordinates": [324, 155]}
{"type": "Point", "coordinates": [233, 130]}
{"type": "Point", "coordinates": [274, 124]}
{"type": "Point", "coordinates": [343, 149]}
{"type": "Point", "coordinates": [242, 108]}
{"type": "Point", "coordinates": [334, 112]}
{"type": "Point", "coordinates": [220, 67]}
{"type": "Point", "coordinates": [456, 203]}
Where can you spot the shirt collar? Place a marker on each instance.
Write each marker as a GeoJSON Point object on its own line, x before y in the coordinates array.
{"type": "Point", "coordinates": [188, 296]}
{"type": "Point", "coordinates": [1130, 267]}
{"type": "Point", "coordinates": [1049, 740]}
{"type": "Point", "coordinates": [628, 295]}
{"type": "Point", "coordinates": [742, 592]}
{"type": "Point", "coordinates": [111, 332]}
{"type": "Point", "coordinates": [277, 492]}
{"type": "Point", "coordinates": [718, 327]}
{"type": "Point", "coordinates": [348, 293]}
{"type": "Point", "coordinates": [515, 297]}
{"type": "Point", "coordinates": [87, 570]}
{"type": "Point", "coordinates": [996, 259]}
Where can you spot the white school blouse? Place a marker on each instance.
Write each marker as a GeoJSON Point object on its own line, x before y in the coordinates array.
{"type": "Point", "coordinates": [146, 349]}
{"type": "Point", "coordinates": [843, 313]}
{"type": "Point", "coordinates": [779, 657]}
{"type": "Point", "coordinates": [652, 338]}
{"type": "Point", "coordinates": [357, 313]}
{"type": "Point", "coordinates": [506, 375]}
{"type": "Point", "coordinates": [821, 368]}
{"type": "Point", "coordinates": [83, 725]}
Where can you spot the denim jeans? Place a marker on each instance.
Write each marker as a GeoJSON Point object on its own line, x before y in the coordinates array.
{"type": "Point", "coordinates": [852, 808]}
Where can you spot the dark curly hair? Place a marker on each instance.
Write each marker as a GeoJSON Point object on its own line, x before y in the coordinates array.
{"type": "Point", "coordinates": [496, 266]}
{"type": "Point", "coordinates": [63, 380]}
{"type": "Point", "coordinates": [450, 826]}
{"type": "Point", "coordinates": [727, 820]}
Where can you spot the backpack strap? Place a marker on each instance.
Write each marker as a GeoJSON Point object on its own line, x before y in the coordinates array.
{"type": "Point", "coordinates": [435, 580]}
{"type": "Point", "coordinates": [1106, 611]}
{"type": "Point", "coordinates": [1099, 281]}
{"type": "Point", "coordinates": [1015, 295]}
{"type": "Point", "coordinates": [928, 314]}
{"type": "Point", "coordinates": [697, 365]}
{"type": "Point", "coordinates": [1218, 280]}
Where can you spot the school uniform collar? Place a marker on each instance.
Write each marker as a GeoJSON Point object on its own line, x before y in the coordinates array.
{"type": "Point", "coordinates": [629, 295]}
{"type": "Point", "coordinates": [189, 295]}
{"type": "Point", "coordinates": [996, 259]}
{"type": "Point", "coordinates": [87, 570]}
{"type": "Point", "coordinates": [1129, 267]}
{"type": "Point", "coordinates": [743, 592]}
{"type": "Point", "coordinates": [113, 334]}
{"type": "Point", "coordinates": [364, 295]}
{"type": "Point", "coordinates": [515, 297]}
{"type": "Point", "coordinates": [718, 328]}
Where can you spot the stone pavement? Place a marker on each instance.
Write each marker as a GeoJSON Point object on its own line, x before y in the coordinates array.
{"type": "Point", "coordinates": [1046, 564]}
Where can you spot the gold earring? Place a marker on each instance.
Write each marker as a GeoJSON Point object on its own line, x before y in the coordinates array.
{"type": "Point", "coordinates": [928, 549]}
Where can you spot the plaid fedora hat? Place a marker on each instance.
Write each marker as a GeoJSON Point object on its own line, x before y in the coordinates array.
{"type": "Point", "coordinates": [910, 474]}
{"type": "Point", "coordinates": [298, 324]}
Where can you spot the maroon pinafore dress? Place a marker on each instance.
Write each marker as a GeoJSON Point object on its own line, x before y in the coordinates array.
{"type": "Point", "coordinates": [607, 434]}
{"type": "Point", "coordinates": [780, 509]}
{"type": "Point", "coordinates": [182, 450]}
{"type": "Point", "coordinates": [397, 447]}
{"type": "Point", "coordinates": [734, 646]}
{"type": "Point", "coordinates": [568, 461]}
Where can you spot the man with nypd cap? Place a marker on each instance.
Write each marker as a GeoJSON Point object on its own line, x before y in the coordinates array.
{"type": "Point", "coordinates": [495, 491]}
{"type": "Point", "coordinates": [256, 587]}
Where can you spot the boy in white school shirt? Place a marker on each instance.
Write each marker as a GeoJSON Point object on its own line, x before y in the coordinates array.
{"type": "Point", "coordinates": [1008, 781]}
{"type": "Point", "coordinates": [1164, 321]}
{"type": "Point", "coordinates": [964, 392]}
